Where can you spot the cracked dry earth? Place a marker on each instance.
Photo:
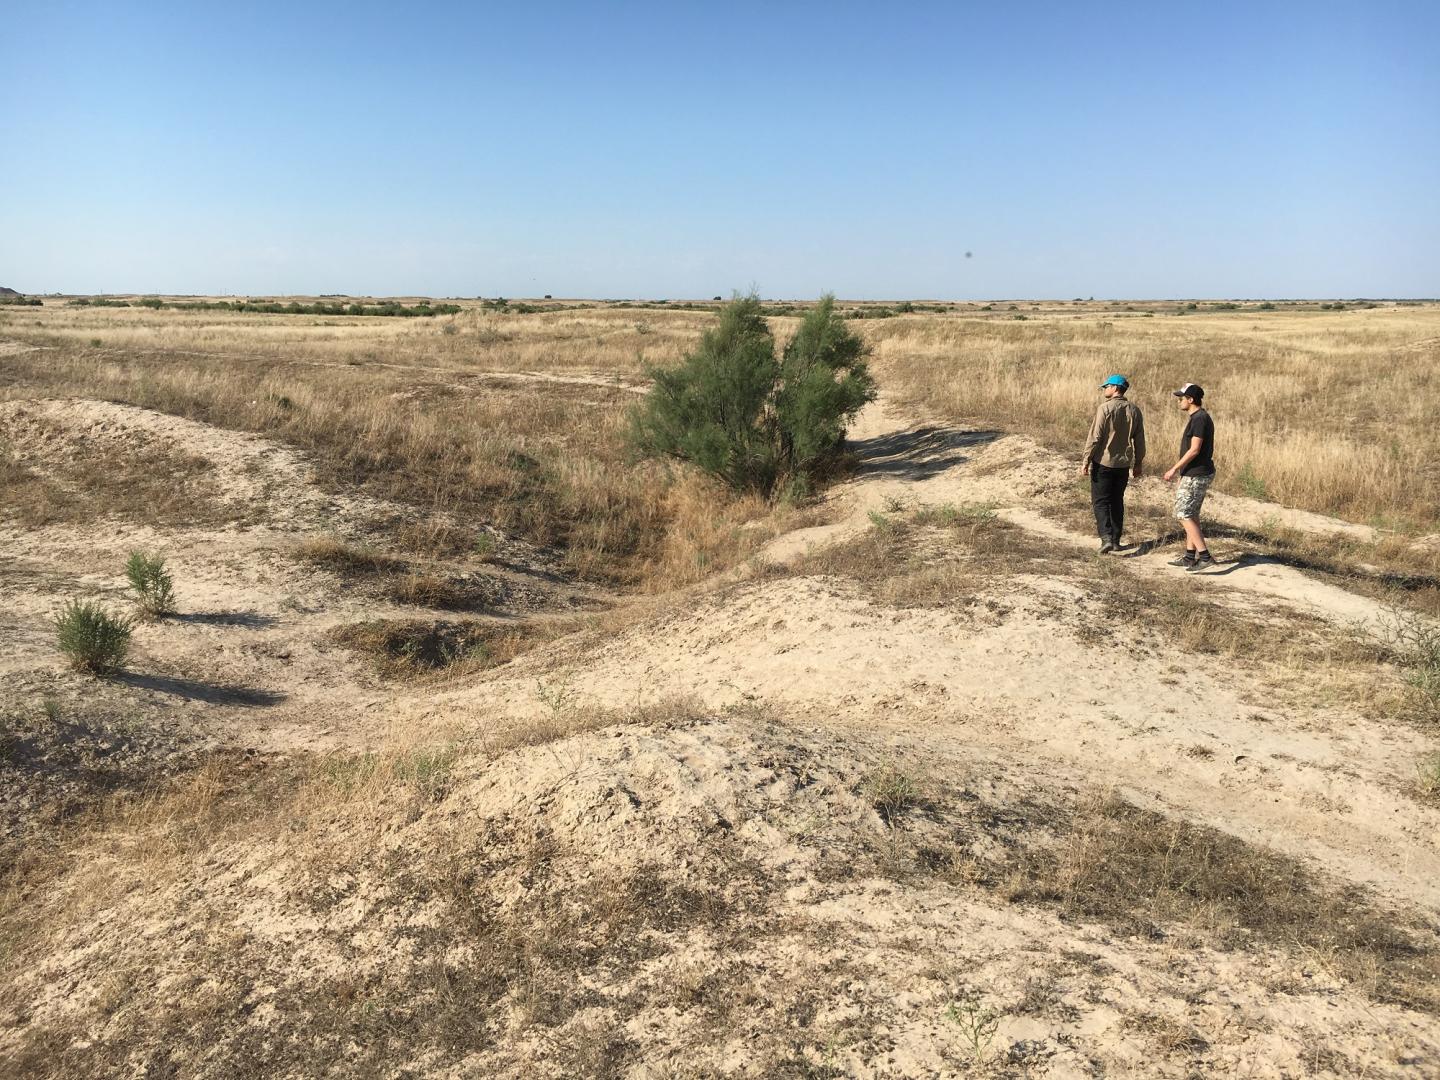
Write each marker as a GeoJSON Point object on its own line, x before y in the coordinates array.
{"type": "Point", "coordinates": [776, 825]}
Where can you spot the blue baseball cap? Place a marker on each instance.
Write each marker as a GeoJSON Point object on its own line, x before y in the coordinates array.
{"type": "Point", "coordinates": [1115, 380]}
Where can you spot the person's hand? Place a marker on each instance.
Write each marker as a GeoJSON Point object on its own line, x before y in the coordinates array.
{"type": "Point", "coordinates": [1085, 469]}
{"type": "Point", "coordinates": [1139, 472]}
{"type": "Point", "coordinates": [1169, 475]}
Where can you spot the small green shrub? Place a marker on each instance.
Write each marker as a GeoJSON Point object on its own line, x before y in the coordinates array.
{"type": "Point", "coordinates": [1251, 484]}
{"type": "Point", "coordinates": [93, 639]}
{"type": "Point", "coordinates": [153, 585]}
{"type": "Point", "coordinates": [739, 412]}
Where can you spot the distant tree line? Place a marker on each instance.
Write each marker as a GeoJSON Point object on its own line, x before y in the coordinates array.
{"type": "Point", "coordinates": [271, 307]}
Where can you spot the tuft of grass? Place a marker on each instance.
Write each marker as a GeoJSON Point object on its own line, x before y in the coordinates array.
{"type": "Point", "coordinates": [431, 590]}
{"type": "Point", "coordinates": [153, 584]}
{"type": "Point", "coordinates": [1428, 777]}
{"type": "Point", "coordinates": [94, 640]}
{"type": "Point", "coordinates": [892, 792]}
{"type": "Point", "coordinates": [344, 558]}
{"type": "Point", "coordinates": [403, 582]}
{"type": "Point", "coordinates": [948, 515]}
{"type": "Point", "coordinates": [425, 770]}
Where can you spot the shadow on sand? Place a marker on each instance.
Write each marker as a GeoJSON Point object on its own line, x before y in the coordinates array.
{"type": "Point", "coordinates": [194, 690]}
{"type": "Point", "coordinates": [248, 620]}
{"type": "Point", "coordinates": [917, 454]}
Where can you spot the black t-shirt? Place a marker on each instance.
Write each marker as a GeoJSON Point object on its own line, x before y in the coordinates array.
{"type": "Point", "coordinates": [1203, 463]}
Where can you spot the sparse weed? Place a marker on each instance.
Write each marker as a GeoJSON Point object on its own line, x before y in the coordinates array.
{"type": "Point", "coordinates": [885, 526]}
{"type": "Point", "coordinates": [1252, 485]}
{"type": "Point", "coordinates": [976, 1023]}
{"type": "Point", "coordinates": [1428, 777]}
{"type": "Point", "coordinates": [557, 695]}
{"type": "Point", "coordinates": [94, 640]}
{"type": "Point", "coordinates": [947, 515]}
{"type": "Point", "coordinates": [50, 706]}
{"type": "Point", "coordinates": [1413, 641]}
{"type": "Point", "coordinates": [153, 584]}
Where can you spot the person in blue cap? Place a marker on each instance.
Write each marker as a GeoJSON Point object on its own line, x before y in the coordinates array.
{"type": "Point", "coordinates": [1114, 449]}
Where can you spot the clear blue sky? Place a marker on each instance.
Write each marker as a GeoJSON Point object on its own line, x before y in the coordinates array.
{"type": "Point", "coordinates": [685, 150]}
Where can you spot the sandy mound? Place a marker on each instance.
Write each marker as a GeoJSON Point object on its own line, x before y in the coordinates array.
{"type": "Point", "coordinates": [710, 895]}
{"type": "Point", "coordinates": [245, 477]}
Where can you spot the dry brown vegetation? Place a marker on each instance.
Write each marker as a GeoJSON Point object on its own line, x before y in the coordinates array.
{"type": "Point", "coordinates": [947, 794]}
{"type": "Point", "coordinates": [408, 413]}
{"type": "Point", "coordinates": [407, 649]}
{"type": "Point", "coordinates": [1327, 411]}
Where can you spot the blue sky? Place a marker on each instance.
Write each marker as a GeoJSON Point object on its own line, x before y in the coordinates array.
{"type": "Point", "coordinates": [672, 150]}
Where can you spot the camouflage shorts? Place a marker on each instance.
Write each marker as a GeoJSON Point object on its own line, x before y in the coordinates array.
{"type": "Point", "coordinates": [1189, 494]}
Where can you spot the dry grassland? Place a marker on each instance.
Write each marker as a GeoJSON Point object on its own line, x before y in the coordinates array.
{"type": "Point", "coordinates": [1326, 411]}
{"type": "Point", "coordinates": [479, 748]}
{"type": "Point", "coordinates": [425, 415]}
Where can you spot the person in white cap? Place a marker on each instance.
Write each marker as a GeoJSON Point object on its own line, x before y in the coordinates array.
{"type": "Point", "coordinates": [1196, 472]}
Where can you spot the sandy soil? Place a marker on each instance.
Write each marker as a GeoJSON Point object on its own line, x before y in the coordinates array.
{"type": "Point", "coordinates": [798, 687]}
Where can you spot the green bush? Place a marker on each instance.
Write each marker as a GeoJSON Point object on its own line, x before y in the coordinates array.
{"type": "Point", "coordinates": [753, 419]}
{"type": "Point", "coordinates": [94, 640]}
{"type": "Point", "coordinates": [1251, 484]}
{"type": "Point", "coordinates": [153, 585]}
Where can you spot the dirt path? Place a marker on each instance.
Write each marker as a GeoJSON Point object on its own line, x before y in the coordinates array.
{"type": "Point", "coordinates": [909, 463]}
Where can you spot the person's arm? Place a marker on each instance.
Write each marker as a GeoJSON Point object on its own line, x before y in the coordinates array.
{"type": "Point", "coordinates": [1138, 434]}
{"type": "Point", "coordinates": [1196, 445]}
{"type": "Point", "coordinates": [1092, 443]}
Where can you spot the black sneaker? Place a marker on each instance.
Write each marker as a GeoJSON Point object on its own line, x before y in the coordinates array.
{"type": "Point", "coordinates": [1187, 560]}
{"type": "Point", "coordinates": [1202, 561]}
{"type": "Point", "coordinates": [1106, 546]}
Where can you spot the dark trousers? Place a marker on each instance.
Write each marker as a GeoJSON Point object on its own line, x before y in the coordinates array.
{"type": "Point", "coordinates": [1107, 497]}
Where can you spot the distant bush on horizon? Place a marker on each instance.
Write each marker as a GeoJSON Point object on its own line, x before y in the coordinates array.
{"type": "Point", "coordinates": [270, 307]}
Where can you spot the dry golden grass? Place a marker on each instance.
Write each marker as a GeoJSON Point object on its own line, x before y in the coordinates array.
{"type": "Point", "coordinates": [1328, 411]}
{"type": "Point", "coordinates": [403, 410]}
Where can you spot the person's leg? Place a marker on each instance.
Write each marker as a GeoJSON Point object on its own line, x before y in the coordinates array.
{"type": "Point", "coordinates": [1194, 538]}
{"type": "Point", "coordinates": [1183, 498]}
{"type": "Point", "coordinates": [1100, 500]}
{"type": "Point", "coordinates": [1121, 481]}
